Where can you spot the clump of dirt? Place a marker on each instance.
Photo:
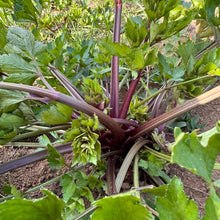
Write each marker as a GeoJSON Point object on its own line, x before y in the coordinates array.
{"type": "Point", "coordinates": [32, 175]}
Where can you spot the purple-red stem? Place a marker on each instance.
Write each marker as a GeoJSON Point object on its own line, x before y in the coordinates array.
{"type": "Point", "coordinates": [111, 188]}
{"type": "Point", "coordinates": [128, 97]}
{"type": "Point", "coordinates": [114, 93]}
{"type": "Point", "coordinates": [114, 90]}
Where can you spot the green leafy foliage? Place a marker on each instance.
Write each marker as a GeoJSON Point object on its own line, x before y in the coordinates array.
{"type": "Point", "coordinates": [9, 121]}
{"type": "Point", "coordinates": [135, 57]}
{"type": "Point", "coordinates": [69, 186]}
{"type": "Point", "coordinates": [154, 166]}
{"type": "Point", "coordinates": [175, 197]}
{"type": "Point", "coordinates": [6, 3]}
{"type": "Point", "coordinates": [55, 159]}
{"type": "Point", "coordinates": [135, 31]}
{"type": "Point", "coordinates": [11, 189]}
{"type": "Point", "coordinates": [69, 30]}
{"type": "Point", "coordinates": [13, 63]}
{"type": "Point", "coordinates": [10, 100]}
{"type": "Point", "coordinates": [157, 9]}
{"type": "Point", "coordinates": [121, 207]}
{"type": "Point", "coordinates": [155, 192]}
{"type": "Point", "coordinates": [86, 147]}
{"type": "Point", "coordinates": [139, 113]}
{"type": "Point", "coordinates": [27, 45]}
{"type": "Point", "coordinates": [24, 78]}
{"type": "Point", "coordinates": [168, 70]}
{"type": "Point", "coordinates": [77, 186]}
{"type": "Point", "coordinates": [212, 207]}
{"type": "Point", "coordinates": [175, 19]}
{"type": "Point", "coordinates": [94, 93]}
{"type": "Point", "coordinates": [191, 154]}
{"type": "Point", "coordinates": [25, 11]}
{"type": "Point", "coordinates": [50, 207]}
{"type": "Point", "coordinates": [217, 183]}
{"type": "Point", "coordinates": [212, 17]}
{"type": "Point", "coordinates": [3, 32]}
{"type": "Point", "coordinates": [187, 123]}
{"type": "Point", "coordinates": [57, 114]}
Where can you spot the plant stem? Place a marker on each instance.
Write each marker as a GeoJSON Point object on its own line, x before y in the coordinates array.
{"type": "Point", "coordinates": [114, 90]}
{"type": "Point", "coordinates": [168, 157]}
{"type": "Point", "coordinates": [41, 76]}
{"type": "Point", "coordinates": [127, 162]}
{"type": "Point", "coordinates": [173, 113]}
{"type": "Point", "coordinates": [66, 83]}
{"type": "Point", "coordinates": [38, 132]}
{"type": "Point", "coordinates": [72, 102]}
{"type": "Point", "coordinates": [158, 154]}
{"type": "Point", "coordinates": [40, 155]}
{"type": "Point", "coordinates": [110, 173]}
{"type": "Point", "coordinates": [136, 174]}
{"type": "Point", "coordinates": [129, 95]}
{"type": "Point", "coordinates": [170, 87]}
{"type": "Point", "coordinates": [23, 144]}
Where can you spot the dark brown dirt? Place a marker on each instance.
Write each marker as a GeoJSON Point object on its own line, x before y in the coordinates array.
{"type": "Point", "coordinates": [31, 175]}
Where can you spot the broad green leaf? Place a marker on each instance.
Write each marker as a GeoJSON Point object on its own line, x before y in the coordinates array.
{"type": "Point", "coordinates": [143, 163]}
{"type": "Point", "coordinates": [186, 50]}
{"type": "Point", "coordinates": [57, 114]}
{"type": "Point", "coordinates": [6, 136]}
{"type": "Point", "coordinates": [116, 49]}
{"type": "Point", "coordinates": [10, 100]}
{"type": "Point", "coordinates": [217, 183]}
{"type": "Point", "coordinates": [159, 191]}
{"type": "Point", "coordinates": [151, 58]}
{"type": "Point", "coordinates": [21, 38]}
{"type": "Point", "coordinates": [155, 167]}
{"type": "Point", "coordinates": [44, 140]}
{"type": "Point", "coordinates": [6, 4]}
{"type": "Point", "coordinates": [94, 182]}
{"type": "Point", "coordinates": [12, 63]}
{"type": "Point", "coordinates": [207, 134]}
{"type": "Point", "coordinates": [210, 7]}
{"type": "Point", "coordinates": [191, 154]}
{"type": "Point", "coordinates": [24, 78]}
{"type": "Point", "coordinates": [13, 49]}
{"type": "Point", "coordinates": [198, 3]}
{"type": "Point", "coordinates": [39, 47]}
{"type": "Point", "coordinates": [24, 10]}
{"type": "Point", "coordinates": [175, 205]}
{"type": "Point", "coordinates": [212, 206]}
{"type": "Point", "coordinates": [135, 31]}
{"type": "Point", "coordinates": [154, 30]}
{"type": "Point", "coordinates": [170, 5]}
{"type": "Point", "coordinates": [48, 208]}
{"type": "Point", "coordinates": [69, 186]}
{"type": "Point", "coordinates": [3, 32]}
{"type": "Point", "coordinates": [11, 189]}
{"type": "Point", "coordinates": [136, 59]}
{"type": "Point", "coordinates": [55, 159]}
{"type": "Point", "coordinates": [123, 207]}
{"type": "Point", "coordinates": [10, 121]}
{"type": "Point", "coordinates": [15, 192]}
